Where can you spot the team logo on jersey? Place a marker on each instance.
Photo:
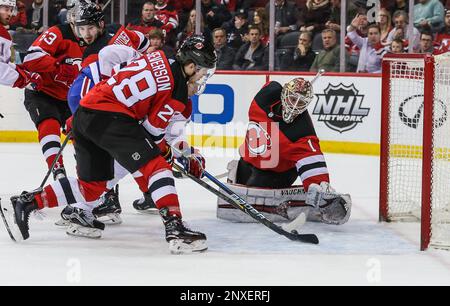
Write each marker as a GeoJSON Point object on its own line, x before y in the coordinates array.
{"type": "Point", "coordinates": [136, 156]}
{"type": "Point", "coordinates": [340, 107]}
{"type": "Point", "coordinates": [411, 109]}
{"type": "Point", "coordinates": [257, 139]}
{"type": "Point", "coordinates": [199, 45]}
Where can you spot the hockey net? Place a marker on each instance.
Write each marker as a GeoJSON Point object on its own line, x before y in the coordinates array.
{"type": "Point", "coordinates": [415, 144]}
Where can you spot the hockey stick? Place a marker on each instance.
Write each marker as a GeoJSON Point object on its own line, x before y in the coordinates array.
{"type": "Point", "coordinates": [242, 205]}
{"type": "Point", "coordinates": [55, 160]}
{"type": "Point", "coordinates": [180, 175]}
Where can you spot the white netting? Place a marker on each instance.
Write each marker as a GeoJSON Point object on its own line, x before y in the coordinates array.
{"type": "Point", "coordinates": [406, 96]}
{"type": "Point", "coordinates": [440, 182]}
{"type": "Point", "coordinates": [405, 139]}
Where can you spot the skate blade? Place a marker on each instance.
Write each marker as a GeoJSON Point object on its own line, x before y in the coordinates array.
{"type": "Point", "coordinates": [179, 246]}
{"type": "Point", "coordinates": [62, 223]}
{"type": "Point", "coordinates": [150, 211]}
{"type": "Point", "coordinates": [111, 219]}
{"type": "Point", "coordinates": [83, 231]}
{"type": "Point", "coordinates": [9, 219]}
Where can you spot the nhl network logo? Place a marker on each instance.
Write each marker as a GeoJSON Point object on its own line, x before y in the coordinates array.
{"type": "Point", "coordinates": [340, 107]}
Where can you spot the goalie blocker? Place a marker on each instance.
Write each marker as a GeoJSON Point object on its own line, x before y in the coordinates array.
{"type": "Point", "coordinates": [320, 204]}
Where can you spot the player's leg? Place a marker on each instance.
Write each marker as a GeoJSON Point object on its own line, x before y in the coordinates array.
{"type": "Point", "coordinates": [137, 153]}
{"type": "Point", "coordinates": [45, 112]}
{"type": "Point", "coordinates": [247, 174]}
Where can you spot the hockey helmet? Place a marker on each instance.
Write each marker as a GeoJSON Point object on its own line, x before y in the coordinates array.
{"type": "Point", "coordinates": [295, 98]}
{"type": "Point", "coordinates": [196, 49]}
{"type": "Point", "coordinates": [10, 3]}
{"type": "Point", "coordinates": [88, 13]}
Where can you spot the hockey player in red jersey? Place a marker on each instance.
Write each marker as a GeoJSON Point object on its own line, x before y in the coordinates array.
{"type": "Point", "coordinates": [56, 56]}
{"type": "Point", "coordinates": [11, 74]}
{"type": "Point", "coordinates": [91, 28]}
{"type": "Point", "coordinates": [281, 145]}
{"type": "Point", "coordinates": [107, 126]}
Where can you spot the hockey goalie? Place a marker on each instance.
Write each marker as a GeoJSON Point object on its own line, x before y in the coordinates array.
{"type": "Point", "coordinates": [280, 146]}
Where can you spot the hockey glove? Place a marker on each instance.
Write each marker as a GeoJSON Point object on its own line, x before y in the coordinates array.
{"type": "Point", "coordinates": [66, 72]}
{"type": "Point", "coordinates": [26, 78]}
{"type": "Point", "coordinates": [194, 163]}
{"type": "Point", "coordinates": [68, 127]}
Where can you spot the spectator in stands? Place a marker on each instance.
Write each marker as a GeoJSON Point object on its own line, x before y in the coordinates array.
{"type": "Point", "coordinates": [399, 5]}
{"type": "Point", "coordinates": [261, 21]}
{"type": "Point", "coordinates": [328, 58]}
{"type": "Point", "coordinates": [169, 17]}
{"type": "Point", "coordinates": [20, 19]}
{"type": "Point", "coordinates": [147, 22]}
{"type": "Point", "coordinates": [429, 15]}
{"type": "Point", "coordinates": [442, 40]}
{"type": "Point", "coordinates": [426, 42]}
{"type": "Point", "coordinates": [156, 37]}
{"type": "Point", "coordinates": [237, 28]}
{"type": "Point", "coordinates": [397, 46]}
{"type": "Point", "coordinates": [315, 16]}
{"type": "Point", "coordinates": [302, 57]}
{"type": "Point", "coordinates": [183, 7]}
{"type": "Point", "coordinates": [58, 12]}
{"type": "Point", "coordinates": [189, 30]}
{"type": "Point", "coordinates": [225, 54]}
{"type": "Point", "coordinates": [35, 15]}
{"type": "Point", "coordinates": [252, 55]}
{"type": "Point", "coordinates": [400, 31]}
{"type": "Point", "coordinates": [334, 22]}
{"type": "Point", "coordinates": [385, 24]}
{"type": "Point", "coordinates": [371, 49]}
{"type": "Point", "coordinates": [286, 17]}
{"type": "Point", "coordinates": [214, 14]}
{"type": "Point", "coordinates": [351, 48]}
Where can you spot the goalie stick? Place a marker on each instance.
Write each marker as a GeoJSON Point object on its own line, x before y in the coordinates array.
{"type": "Point", "coordinates": [288, 231]}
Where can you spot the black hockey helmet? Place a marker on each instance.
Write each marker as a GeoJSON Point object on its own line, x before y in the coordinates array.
{"type": "Point", "coordinates": [198, 50]}
{"type": "Point", "coordinates": [88, 13]}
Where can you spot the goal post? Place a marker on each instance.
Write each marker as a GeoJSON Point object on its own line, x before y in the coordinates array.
{"type": "Point", "coordinates": [415, 144]}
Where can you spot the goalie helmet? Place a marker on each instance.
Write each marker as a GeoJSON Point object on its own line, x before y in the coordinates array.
{"type": "Point", "coordinates": [295, 98]}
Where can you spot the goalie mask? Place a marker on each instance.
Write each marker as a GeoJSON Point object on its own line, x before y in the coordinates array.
{"type": "Point", "coordinates": [295, 98]}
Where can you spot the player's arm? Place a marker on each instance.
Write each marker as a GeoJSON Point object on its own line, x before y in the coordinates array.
{"type": "Point", "coordinates": [111, 58]}
{"type": "Point", "coordinates": [140, 42]}
{"type": "Point", "coordinates": [41, 55]}
{"type": "Point", "coordinates": [334, 208]}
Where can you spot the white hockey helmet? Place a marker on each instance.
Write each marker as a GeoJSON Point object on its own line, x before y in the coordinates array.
{"type": "Point", "coordinates": [11, 3]}
{"type": "Point", "coordinates": [295, 98]}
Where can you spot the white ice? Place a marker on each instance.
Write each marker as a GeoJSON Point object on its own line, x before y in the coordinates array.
{"type": "Point", "coordinates": [361, 252]}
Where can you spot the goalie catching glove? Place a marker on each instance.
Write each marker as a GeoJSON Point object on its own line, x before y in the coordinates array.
{"type": "Point", "coordinates": [334, 208]}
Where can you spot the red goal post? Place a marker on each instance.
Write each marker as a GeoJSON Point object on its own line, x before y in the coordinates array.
{"type": "Point", "coordinates": [415, 144]}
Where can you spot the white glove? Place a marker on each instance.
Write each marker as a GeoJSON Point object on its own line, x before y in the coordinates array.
{"type": "Point", "coordinates": [334, 208]}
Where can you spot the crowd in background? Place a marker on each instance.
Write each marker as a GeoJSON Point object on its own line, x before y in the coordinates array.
{"type": "Point", "coordinates": [307, 32]}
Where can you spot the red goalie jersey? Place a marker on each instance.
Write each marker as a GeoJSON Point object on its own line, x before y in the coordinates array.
{"type": "Point", "coordinates": [54, 55]}
{"type": "Point", "coordinates": [271, 144]}
{"type": "Point", "coordinates": [149, 88]}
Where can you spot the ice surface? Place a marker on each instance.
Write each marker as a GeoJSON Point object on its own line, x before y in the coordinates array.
{"type": "Point", "coordinates": [362, 251]}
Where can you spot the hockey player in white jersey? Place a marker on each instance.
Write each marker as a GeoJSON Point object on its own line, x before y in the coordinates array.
{"type": "Point", "coordinates": [11, 74]}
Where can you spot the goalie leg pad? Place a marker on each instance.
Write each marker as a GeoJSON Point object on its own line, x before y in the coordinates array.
{"type": "Point", "coordinates": [278, 205]}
